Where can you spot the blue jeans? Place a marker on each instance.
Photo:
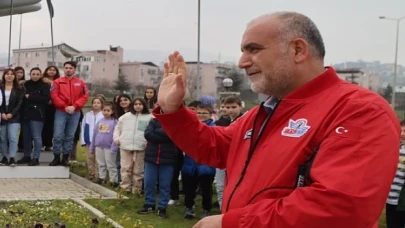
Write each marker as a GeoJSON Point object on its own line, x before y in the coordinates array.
{"type": "Point", "coordinates": [32, 131]}
{"type": "Point", "coordinates": [152, 173]}
{"type": "Point", "coordinates": [220, 178]}
{"type": "Point", "coordinates": [65, 126]}
{"type": "Point", "coordinates": [9, 139]}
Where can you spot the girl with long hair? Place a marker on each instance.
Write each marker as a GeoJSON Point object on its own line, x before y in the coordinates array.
{"type": "Point", "coordinates": [150, 97]}
{"type": "Point", "coordinates": [122, 103]}
{"type": "Point", "coordinates": [51, 73]}
{"type": "Point", "coordinates": [10, 116]}
{"type": "Point", "coordinates": [129, 136]}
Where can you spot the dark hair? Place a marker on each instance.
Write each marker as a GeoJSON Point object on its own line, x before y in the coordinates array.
{"type": "Point", "coordinates": [145, 109]}
{"type": "Point", "coordinates": [36, 68]}
{"type": "Point", "coordinates": [206, 107]}
{"type": "Point", "coordinates": [18, 68]}
{"type": "Point", "coordinates": [119, 111]}
{"type": "Point", "coordinates": [46, 75]}
{"type": "Point", "coordinates": [152, 101]}
{"type": "Point", "coordinates": [15, 81]}
{"type": "Point", "coordinates": [403, 123]}
{"type": "Point", "coordinates": [194, 104]}
{"type": "Point", "coordinates": [72, 63]}
{"type": "Point", "coordinates": [295, 25]}
{"type": "Point", "coordinates": [232, 100]}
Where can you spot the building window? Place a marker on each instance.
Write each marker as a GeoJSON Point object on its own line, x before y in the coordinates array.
{"type": "Point", "coordinates": [27, 55]}
{"type": "Point", "coordinates": [37, 65]}
{"type": "Point", "coordinates": [151, 71]}
{"type": "Point", "coordinates": [86, 68]}
{"type": "Point", "coordinates": [50, 63]}
{"type": "Point", "coordinates": [141, 72]}
{"type": "Point", "coordinates": [36, 54]}
{"type": "Point", "coordinates": [141, 79]}
{"type": "Point", "coordinates": [27, 65]}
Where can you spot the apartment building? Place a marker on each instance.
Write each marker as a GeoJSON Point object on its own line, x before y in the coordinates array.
{"type": "Point", "coordinates": [99, 65]}
{"type": "Point", "coordinates": [42, 56]}
{"type": "Point", "coordinates": [145, 74]}
{"type": "Point", "coordinates": [211, 76]}
{"type": "Point", "coordinates": [361, 77]}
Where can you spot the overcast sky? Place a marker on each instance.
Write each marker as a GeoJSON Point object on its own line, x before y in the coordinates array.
{"type": "Point", "coordinates": [351, 28]}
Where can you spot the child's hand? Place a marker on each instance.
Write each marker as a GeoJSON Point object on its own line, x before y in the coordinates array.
{"type": "Point", "coordinates": [117, 142]}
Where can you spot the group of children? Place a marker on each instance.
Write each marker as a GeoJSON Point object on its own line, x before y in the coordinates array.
{"type": "Point", "coordinates": [126, 141]}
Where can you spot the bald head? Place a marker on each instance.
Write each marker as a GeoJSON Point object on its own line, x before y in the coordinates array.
{"type": "Point", "coordinates": [292, 25]}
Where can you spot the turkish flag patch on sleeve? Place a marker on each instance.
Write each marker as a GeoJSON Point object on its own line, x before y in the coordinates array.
{"type": "Point", "coordinates": [347, 131]}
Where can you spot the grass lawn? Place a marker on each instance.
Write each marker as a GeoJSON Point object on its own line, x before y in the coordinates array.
{"type": "Point", "coordinates": [123, 211]}
{"type": "Point", "coordinates": [55, 213]}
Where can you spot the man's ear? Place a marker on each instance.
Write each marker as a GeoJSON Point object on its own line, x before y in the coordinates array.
{"type": "Point", "coordinates": [301, 50]}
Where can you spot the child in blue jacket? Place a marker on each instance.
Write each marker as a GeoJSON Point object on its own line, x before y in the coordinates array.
{"type": "Point", "coordinates": [194, 174]}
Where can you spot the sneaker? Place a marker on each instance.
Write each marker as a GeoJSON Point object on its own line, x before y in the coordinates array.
{"type": "Point", "coordinates": [215, 204]}
{"type": "Point", "coordinates": [173, 202]}
{"type": "Point", "coordinates": [65, 160]}
{"type": "Point", "coordinates": [33, 162]}
{"type": "Point", "coordinates": [100, 181]}
{"type": "Point", "coordinates": [162, 213]}
{"type": "Point", "coordinates": [205, 214]}
{"type": "Point", "coordinates": [55, 161]}
{"type": "Point", "coordinates": [4, 161]}
{"type": "Point", "coordinates": [114, 184]}
{"type": "Point", "coordinates": [47, 148]}
{"type": "Point", "coordinates": [12, 162]}
{"type": "Point", "coordinates": [146, 210]}
{"type": "Point", "coordinates": [24, 160]}
{"type": "Point", "coordinates": [189, 213]}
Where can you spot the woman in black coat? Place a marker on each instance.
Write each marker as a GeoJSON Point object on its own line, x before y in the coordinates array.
{"type": "Point", "coordinates": [36, 98]}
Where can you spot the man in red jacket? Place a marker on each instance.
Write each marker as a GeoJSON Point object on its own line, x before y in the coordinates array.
{"type": "Point", "coordinates": [320, 152]}
{"type": "Point", "coordinates": [69, 94]}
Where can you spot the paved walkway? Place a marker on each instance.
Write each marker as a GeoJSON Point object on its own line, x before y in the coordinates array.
{"type": "Point", "coordinates": [43, 189]}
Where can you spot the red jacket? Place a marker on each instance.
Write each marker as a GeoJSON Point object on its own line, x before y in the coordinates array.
{"type": "Point", "coordinates": [358, 136]}
{"type": "Point", "coordinates": [65, 92]}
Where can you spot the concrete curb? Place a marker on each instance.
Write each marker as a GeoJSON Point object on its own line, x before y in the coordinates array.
{"type": "Point", "coordinates": [97, 212]}
{"type": "Point", "coordinates": [104, 192]}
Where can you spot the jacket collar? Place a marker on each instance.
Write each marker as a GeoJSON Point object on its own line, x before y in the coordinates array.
{"type": "Point", "coordinates": [316, 86]}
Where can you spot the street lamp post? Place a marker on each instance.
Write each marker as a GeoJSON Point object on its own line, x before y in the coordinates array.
{"type": "Point", "coordinates": [198, 82]}
{"type": "Point", "coordinates": [394, 80]}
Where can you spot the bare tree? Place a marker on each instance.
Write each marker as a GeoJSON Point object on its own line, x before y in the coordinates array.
{"type": "Point", "coordinates": [139, 89]}
{"type": "Point", "coordinates": [122, 84]}
{"type": "Point", "coordinates": [101, 86]}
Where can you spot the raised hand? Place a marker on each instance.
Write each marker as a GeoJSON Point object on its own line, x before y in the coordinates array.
{"type": "Point", "coordinates": [172, 89]}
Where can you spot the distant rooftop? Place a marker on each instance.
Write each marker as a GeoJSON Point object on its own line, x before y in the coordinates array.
{"type": "Point", "coordinates": [349, 71]}
{"type": "Point", "coordinates": [138, 63]}
{"type": "Point", "coordinates": [43, 46]}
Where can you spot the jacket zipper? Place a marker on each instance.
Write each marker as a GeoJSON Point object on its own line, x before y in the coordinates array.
{"type": "Point", "coordinates": [40, 112]}
{"type": "Point", "coordinates": [253, 145]}
{"type": "Point", "coordinates": [158, 155]}
{"type": "Point", "coordinates": [70, 88]}
{"type": "Point", "coordinates": [136, 127]}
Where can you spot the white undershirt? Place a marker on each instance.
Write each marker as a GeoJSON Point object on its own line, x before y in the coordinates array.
{"type": "Point", "coordinates": [7, 94]}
